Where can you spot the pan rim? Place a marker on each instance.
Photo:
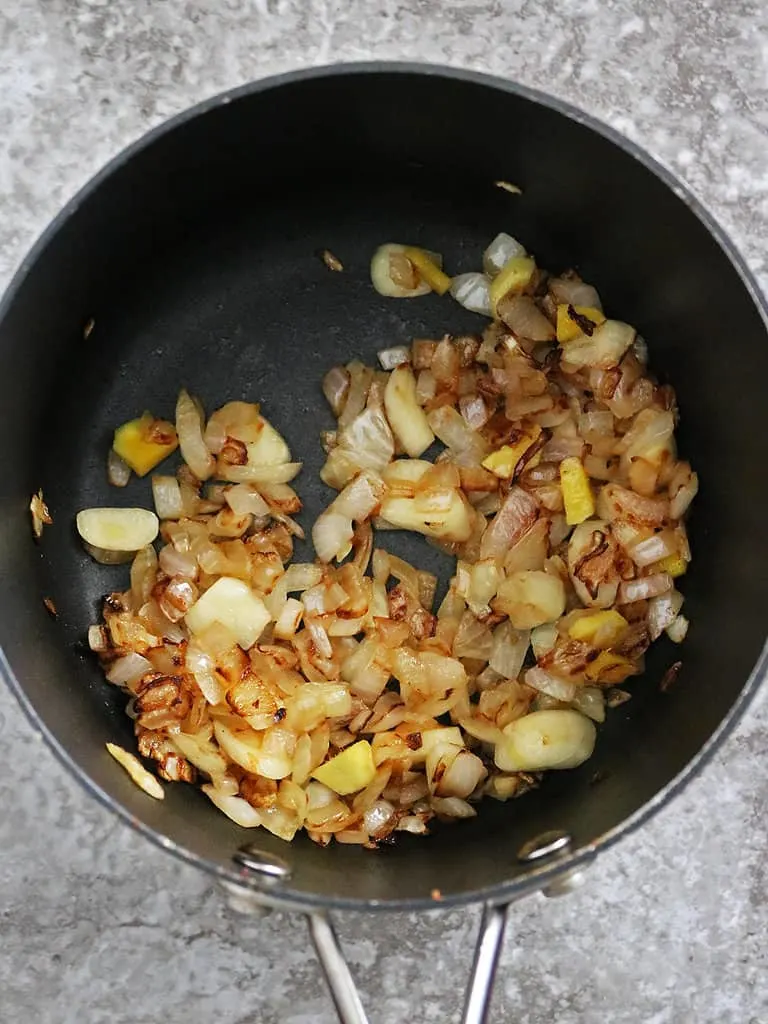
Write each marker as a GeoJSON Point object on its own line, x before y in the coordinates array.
{"type": "Point", "coordinates": [513, 889]}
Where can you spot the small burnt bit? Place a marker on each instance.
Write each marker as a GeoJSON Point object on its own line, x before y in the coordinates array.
{"type": "Point", "coordinates": [670, 677]}
{"type": "Point", "coordinates": [594, 567]}
{"type": "Point", "coordinates": [233, 452]}
{"type": "Point", "coordinates": [586, 325]}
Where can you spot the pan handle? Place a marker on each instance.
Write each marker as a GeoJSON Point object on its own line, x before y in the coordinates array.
{"type": "Point", "coordinates": [490, 942]}
{"type": "Point", "coordinates": [340, 982]}
{"type": "Point", "coordinates": [342, 987]}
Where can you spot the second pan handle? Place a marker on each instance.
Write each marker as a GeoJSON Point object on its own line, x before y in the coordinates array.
{"type": "Point", "coordinates": [273, 870]}
{"type": "Point", "coordinates": [342, 986]}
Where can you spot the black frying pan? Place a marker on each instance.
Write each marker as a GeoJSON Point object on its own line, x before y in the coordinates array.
{"type": "Point", "coordinates": [195, 252]}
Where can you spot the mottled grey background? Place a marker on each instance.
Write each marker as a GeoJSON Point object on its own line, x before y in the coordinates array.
{"type": "Point", "coordinates": [96, 925]}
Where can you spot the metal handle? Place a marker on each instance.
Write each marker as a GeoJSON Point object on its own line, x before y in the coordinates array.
{"type": "Point", "coordinates": [342, 985]}
{"type": "Point", "coordinates": [337, 974]}
{"type": "Point", "coordinates": [272, 870]}
{"type": "Point", "coordinates": [490, 942]}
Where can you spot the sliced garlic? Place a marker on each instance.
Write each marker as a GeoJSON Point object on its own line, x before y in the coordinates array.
{"type": "Point", "coordinates": [530, 598]}
{"type": "Point", "coordinates": [405, 415]}
{"type": "Point", "coordinates": [451, 524]}
{"type": "Point", "coordinates": [113, 535]}
{"type": "Point", "coordinates": [546, 739]}
{"type": "Point", "coordinates": [382, 278]}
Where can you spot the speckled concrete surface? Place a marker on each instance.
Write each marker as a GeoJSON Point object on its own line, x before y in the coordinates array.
{"type": "Point", "coordinates": [97, 926]}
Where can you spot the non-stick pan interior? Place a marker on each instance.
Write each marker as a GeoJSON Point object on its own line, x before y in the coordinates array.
{"type": "Point", "coordinates": [197, 258]}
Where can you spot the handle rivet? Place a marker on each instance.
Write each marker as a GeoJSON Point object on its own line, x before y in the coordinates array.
{"type": "Point", "coordinates": [256, 861]}
{"type": "Point", "coordinates": [547, 844]}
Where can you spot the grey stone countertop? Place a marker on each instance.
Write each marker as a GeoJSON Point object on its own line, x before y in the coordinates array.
{"type": "Point", "coordinates": [98, 926]}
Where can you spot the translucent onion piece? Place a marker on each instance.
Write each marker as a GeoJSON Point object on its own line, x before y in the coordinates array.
{"type": "Point", "coordinates": [644, 587]}
{"type": "Point", "coordinates": [662, 612]}
{"type": "Point", "coordinates": [336, 388]}
{"type": "Point", "coordinates": [590, 701]}
{"type": "Point", "coordinates": [472, 291]}
{"type": "Point", "coordinates": [574, 292]}
{"type": "Point", "coordinates": [118, 471]}
{"type": "Point", "coordinates": [514, 518]}
{"type": "Point", "coordinates": [166, 495]}
{"type": "Point", "coordinates": [178, 563]}
{"type": "Point", "coordinates": [189, 427]}
{"type": "Point", "coordinates": [501, 250]}
{"type": "Point", "coordinates": [128, 669]}
{"type": "Point", "coordinates": [654, 548]}
{"type": "Point", "coordinates": [553, 686]}
{"type": "Point", "coordinates": [678, 629]}
{"type": "Point", "coordinates": [392, 357]}
{"type": "Point", "coordinates": [509, 649]}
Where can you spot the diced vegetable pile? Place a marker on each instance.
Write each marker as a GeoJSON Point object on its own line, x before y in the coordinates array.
{"type": "Point", "coordinates": [334, 696]}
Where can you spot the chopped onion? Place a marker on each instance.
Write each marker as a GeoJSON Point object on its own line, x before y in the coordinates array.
{"type": "Point", "coordinates": [128, 669]}
{"type": "Point", "coordinates": [426, 386]}
{"type": "Point", "coordinates": [392, 357]}
{"type": "Point", "coordinates": [452, 807]}
{"type": "Point", "coordinates": [143, 575]}
{"type": "Point", "coordinates": [97, 639]}
{"type": "Point", "coordinates": [369, 440]}
{"type": "Point", "coordinates": [461, 777]}
{"type": "Point", "coordinates": [166, 495]}
{"type": "Point", "coordinates": [644, 587]}
{"type": "Point", "coordinates": [118, 471]}
{"type": "Point", "coordinates": [379, 819]}
{"type": "Point", "coordinates": [244, 499]}
{"type": "Point", "coordinates": [678, 629]}
{"type": "Point", "coordinates": [215, 436]}
{"type": "Point", "coordinates": [662, 612]}
{"type": "Point", "coordinates": [561, 689]}
{"type": "Point", "coordinates": [336, 388]}
{"type": "Point", "coordinates": [332, 533]}
{"type": "Point", "coordinates": [472, 291]}
{"type": "Point", "coordinates": [590, 701]}
{"type": "Point", "coordinates": [239, 810]}
{"type": "Point", "coordinates": [574, 292]}
{"type": "Point", "coordinates": [515, 517]}
{"type": "Point", "coordinates": [262, 674]}
{"type": "Point", "coordinates": [501, 250]}
{"type": "Point", "coordinates": [203, 668]}
{"type": "Point", "coordinates": [521, 314]}
{"type": "Point", "coordinates": [474, 410]}
{"type": "Point", "coordinates": [543, 639]}
{"type": "Point", "coordinates": [602, 349]}
{"type": "Point", "coordinates": [509, 649]}
{"type": "Point", "coordinates": [178, 563]}
{"type": "Point", "coordinates": [189, 427]}
{"type": "Point", "coordinates": [654, 548]}
{"type": "Point", "coordinates": [678, 506]}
